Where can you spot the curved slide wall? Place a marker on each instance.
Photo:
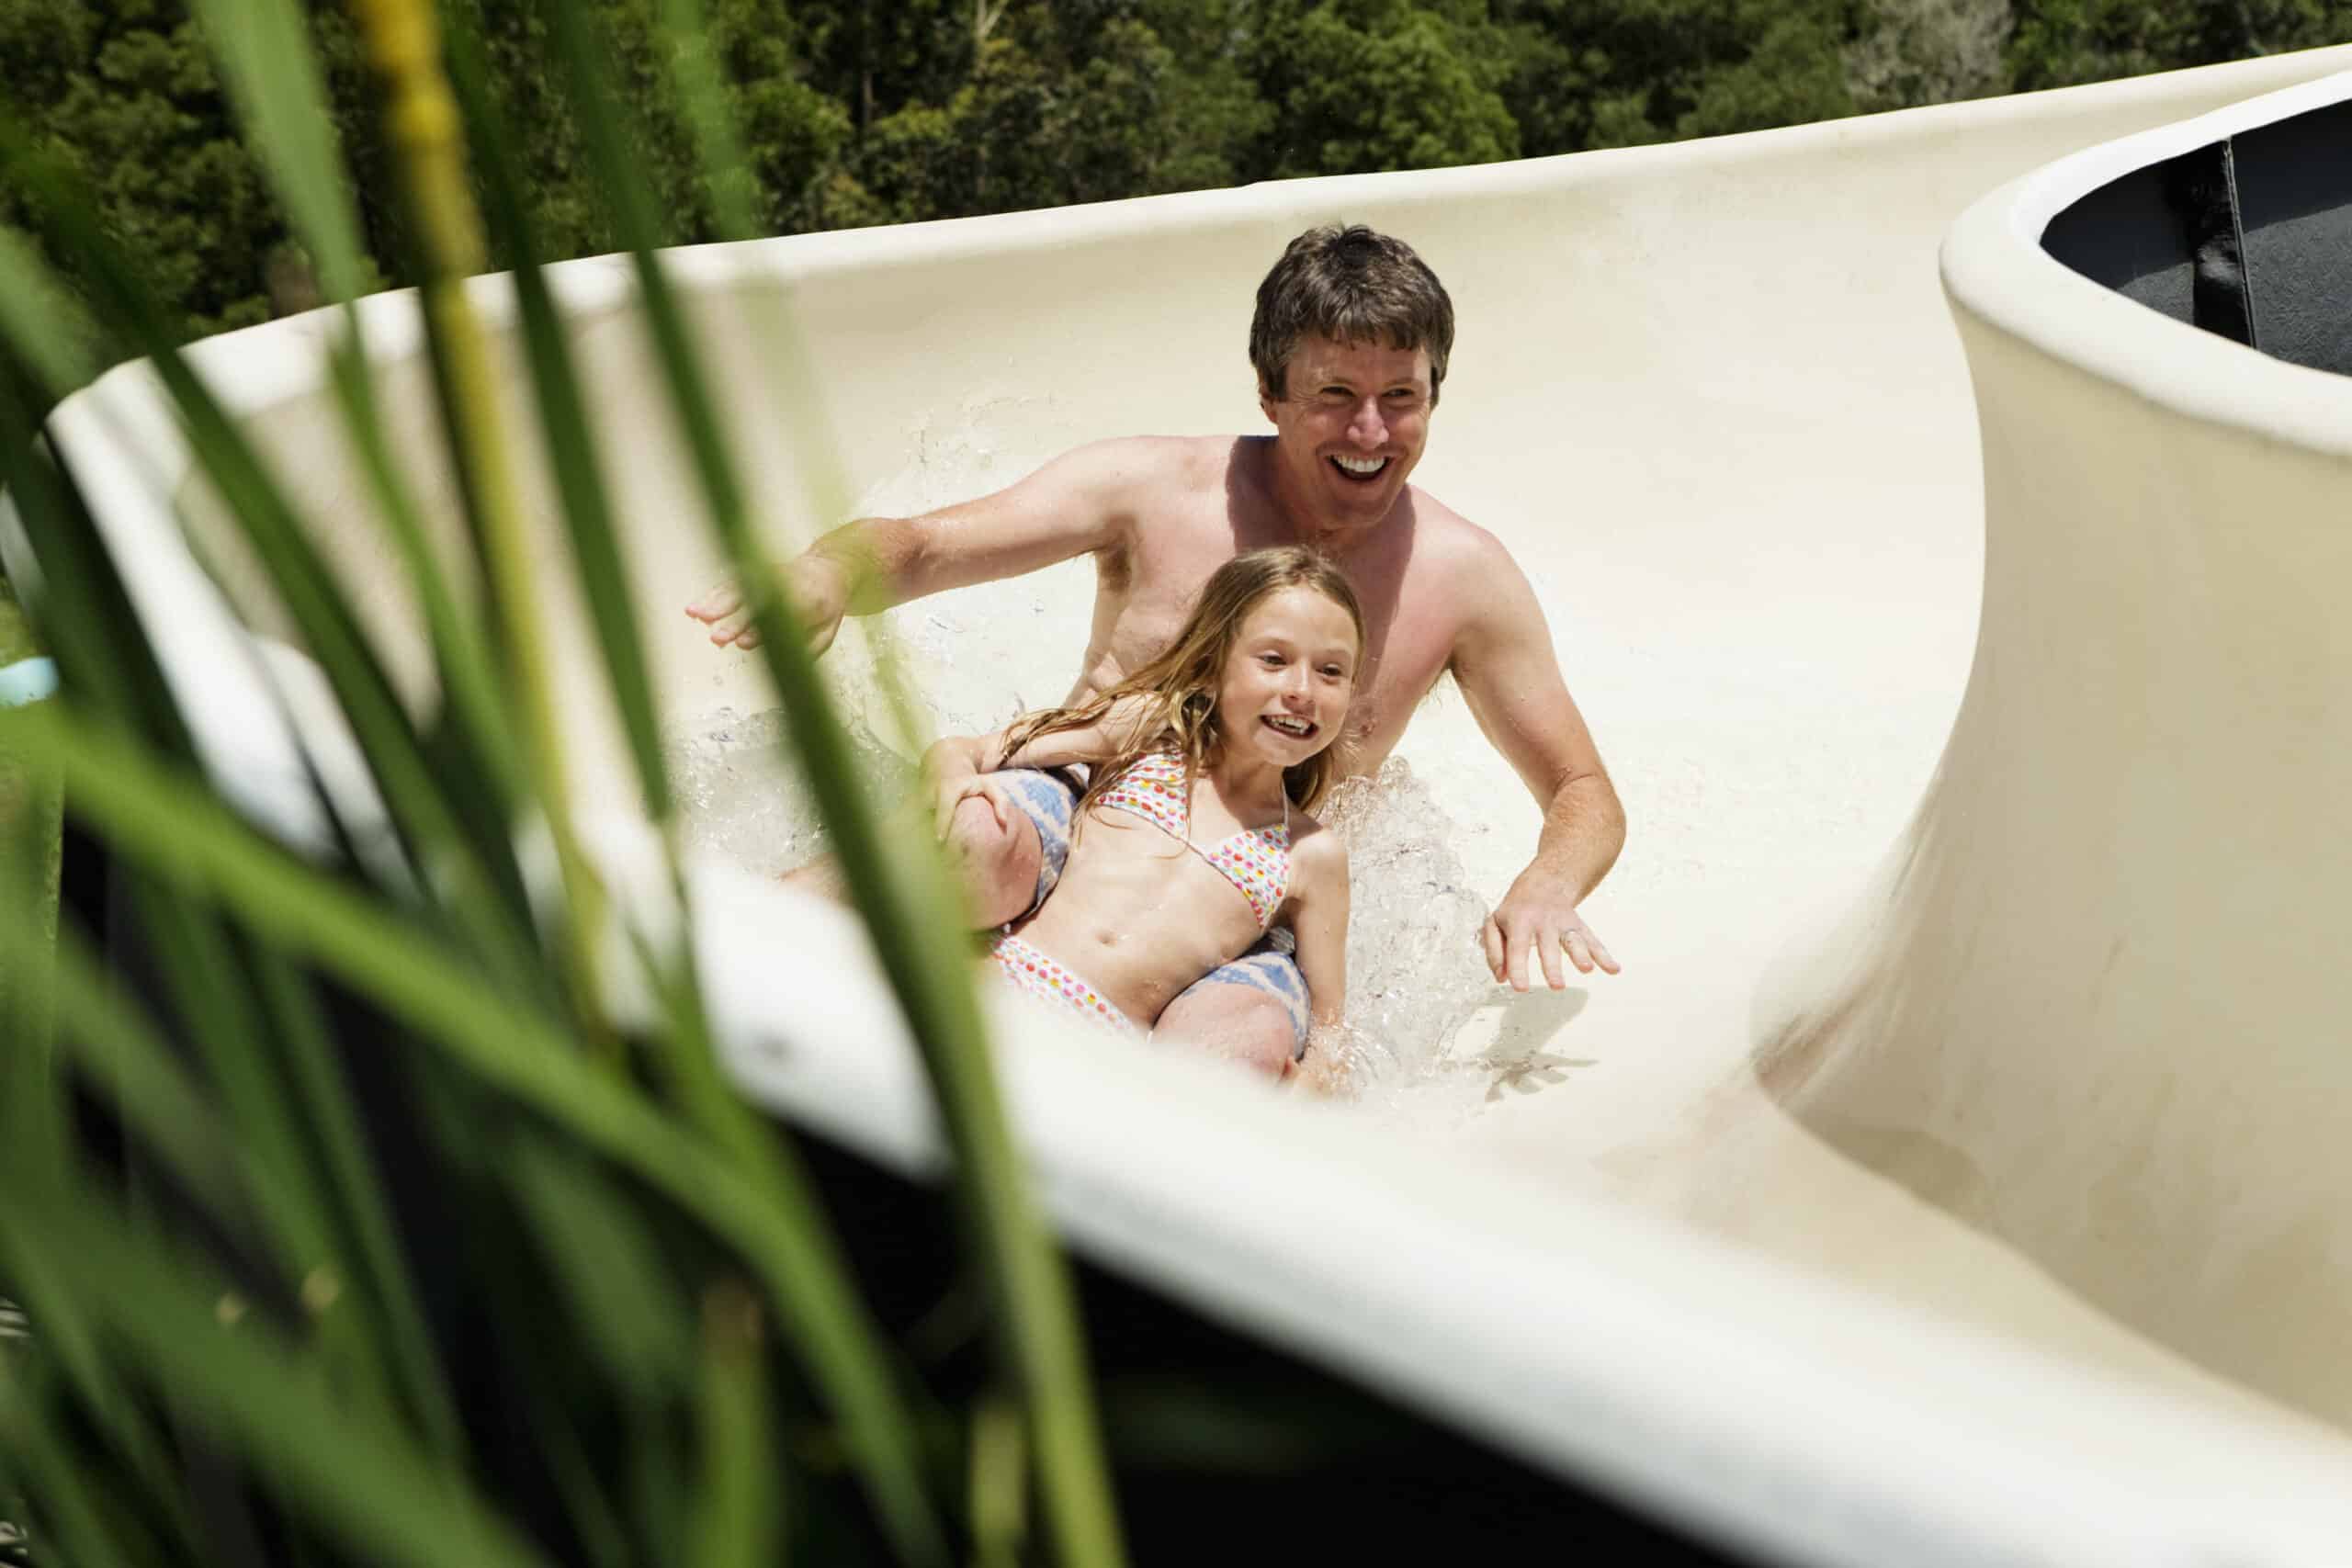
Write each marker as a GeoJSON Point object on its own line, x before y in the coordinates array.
{"type": "Point", "coordinates": [1990, 1227]}
{"type": "Point", "coordinates": [2112, 1004]}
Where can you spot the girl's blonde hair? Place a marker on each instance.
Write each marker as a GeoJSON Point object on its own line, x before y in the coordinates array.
{"type": "Point", "coordinates": [1182, 683]}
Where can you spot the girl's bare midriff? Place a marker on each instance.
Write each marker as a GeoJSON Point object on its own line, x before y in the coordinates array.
{"type": "Point", "coordinates": [1139, 916]}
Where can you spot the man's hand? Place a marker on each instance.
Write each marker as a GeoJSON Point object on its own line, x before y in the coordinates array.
{"type": "Point", "coordinates": [1540, 913]}
{"type": "Point", "coordinates": [818, 586]}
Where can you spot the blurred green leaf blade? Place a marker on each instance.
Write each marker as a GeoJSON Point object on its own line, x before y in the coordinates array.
{"type": "Point", "coordinates": [907, 893]}
{"type": "Point", "coordinates": [355, 1471]}
{"type": "Point", "coordinates": [735, 1521]}
{"type": "Point", "coordinates": [196, 845]}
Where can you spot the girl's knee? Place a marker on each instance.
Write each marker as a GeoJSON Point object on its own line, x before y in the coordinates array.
{"type": "Point", "coordinates": [978, 834]}
{"type": "Point", "coordinates": [1266, 1044]}
{"type": "Point", "coordinates": [1239, 1022]}
{"type": "Point", "coordinates": [997, 860]}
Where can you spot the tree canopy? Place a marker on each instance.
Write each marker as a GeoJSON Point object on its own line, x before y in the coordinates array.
{"type": "Point", "coordinates": [875, 111]}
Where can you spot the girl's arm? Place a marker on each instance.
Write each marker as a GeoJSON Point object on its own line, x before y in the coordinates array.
{"type": "Point", "coordinates": [1113, 734]}
{"type": "Point", "coordinates": [958, 765]}
{"type": "Point", "coordinates": [1320, 919]}
{"type": "Point", "coordinates": [956, 757]}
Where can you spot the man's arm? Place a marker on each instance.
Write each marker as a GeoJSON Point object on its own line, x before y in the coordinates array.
{"type": "Point", "coordinates": [1511, 677]}
{"type": "Point", "coordinates": [1079, 502]}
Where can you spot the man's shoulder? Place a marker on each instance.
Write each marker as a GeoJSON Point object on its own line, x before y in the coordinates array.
{"type": "Point", "coordinates": [1484, 588]}
{"type": "Point", "coordinates": [1159, 457]}
{"type": "Point", "coordinates": [1109, 494]}
{"type": "Point", "coordinates": [1445, 538]}
{"type": "Point", "coordinates": [1140, 476]}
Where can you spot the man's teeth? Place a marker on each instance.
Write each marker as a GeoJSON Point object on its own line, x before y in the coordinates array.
{"type": "Point", "coordinates": [1361, 465]}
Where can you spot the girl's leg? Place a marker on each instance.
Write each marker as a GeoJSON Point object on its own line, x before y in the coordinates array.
{"type": "Point", "coordinates": [1007, 865]}
{"type": "Point", "coordinates": [996, 861]}
{"type": "Point", "coordinates": [1253, 1009]}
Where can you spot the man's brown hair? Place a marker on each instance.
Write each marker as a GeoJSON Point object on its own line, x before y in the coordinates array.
{"type": "Point", "coordinates": [1352, 285]}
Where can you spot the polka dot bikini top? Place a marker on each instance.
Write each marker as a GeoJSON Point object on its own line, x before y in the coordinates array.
{"type": "Point", "coordinates": [1256, 860]}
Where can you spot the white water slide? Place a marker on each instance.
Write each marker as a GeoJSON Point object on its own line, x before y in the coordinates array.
{"type": "Point", "coordinates": [1958, 1170]}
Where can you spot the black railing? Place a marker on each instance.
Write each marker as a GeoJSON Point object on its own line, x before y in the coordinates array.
{"type": "Point", "coordinates": [2249, 237]}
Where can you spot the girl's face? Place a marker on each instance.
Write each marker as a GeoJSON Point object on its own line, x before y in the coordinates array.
{"type": "Point", "coordinates": [1288, 677]}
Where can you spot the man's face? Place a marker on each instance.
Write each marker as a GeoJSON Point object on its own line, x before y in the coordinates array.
{"type": "Point", "coordinates": [1348, 428]}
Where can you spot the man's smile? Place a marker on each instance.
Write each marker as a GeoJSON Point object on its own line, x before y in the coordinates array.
{"type": "Point", "coordinates": [1360, 469]}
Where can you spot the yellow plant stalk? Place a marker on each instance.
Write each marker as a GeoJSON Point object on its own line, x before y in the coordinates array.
{"type": "Point", "coordinates": [402, 41]}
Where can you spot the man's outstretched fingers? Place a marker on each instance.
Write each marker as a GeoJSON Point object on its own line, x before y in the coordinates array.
{"type": "Point", "coordinates": [1547, 947]}
{"type": "Point", "coordinates": [1490, 937]}
{"type": "Point", "coordinates": [1515, 963]}
{"type": "Point", "coordinates": [721, 599]}
{"type": "Point", "coordinates": [1585, 949]}
{"type": "Point", "coordinates": [723, 609]}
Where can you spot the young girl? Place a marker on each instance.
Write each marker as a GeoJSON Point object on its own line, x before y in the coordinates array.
{"type": "Point", "coordinates": [1190, 847]}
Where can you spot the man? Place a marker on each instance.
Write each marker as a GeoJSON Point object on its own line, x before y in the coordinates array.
{"type": "Point", "coordinates": [1350, 342]}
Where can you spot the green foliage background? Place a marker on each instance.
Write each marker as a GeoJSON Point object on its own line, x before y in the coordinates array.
{"type": "Point", "coordinates": [883, 111]}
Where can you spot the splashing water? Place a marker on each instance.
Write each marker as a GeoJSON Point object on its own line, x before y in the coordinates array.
{"type": "Point", "coordinates": [1415, 972]}
{"type": "Point", "coordinates": [739, 798]}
